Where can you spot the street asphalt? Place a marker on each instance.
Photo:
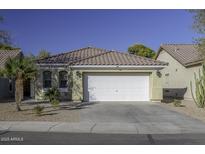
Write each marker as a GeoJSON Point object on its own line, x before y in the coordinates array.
{"type": "Point", "coordinates": [39, 138]}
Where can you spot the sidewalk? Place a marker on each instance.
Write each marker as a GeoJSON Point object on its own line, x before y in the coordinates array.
{"type": "Point", "coordinates": [101, 128]}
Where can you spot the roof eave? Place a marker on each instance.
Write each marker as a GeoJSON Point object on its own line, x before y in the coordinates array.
{"type": "Point", "coordinates": [194, 63]}
{"type": "Point", "coordinates": [120, 67]}
{"type": "Point", "coordinates": [105, 66]}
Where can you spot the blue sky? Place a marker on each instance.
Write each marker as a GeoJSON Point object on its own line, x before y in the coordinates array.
{"type": "Point", "coordinates": [64, 30]}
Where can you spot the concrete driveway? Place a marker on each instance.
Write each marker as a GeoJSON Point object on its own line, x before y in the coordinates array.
{"type": "Point", "coordinates": [116, 118]}
{"type": "Point", "coordinates": [145, 117]}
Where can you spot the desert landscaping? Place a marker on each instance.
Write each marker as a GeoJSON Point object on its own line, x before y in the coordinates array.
{"type": "Point", "coordinates": [187, 107]}
{"type": "Point", "coordinates": [66, 113]}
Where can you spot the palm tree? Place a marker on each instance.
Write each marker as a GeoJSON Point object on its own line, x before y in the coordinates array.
{"type": "Point", "coordinates": [20, 69]}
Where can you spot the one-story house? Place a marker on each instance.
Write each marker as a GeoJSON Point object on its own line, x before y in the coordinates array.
{"type": "Point", "coordinates": [184, 60]}
{"type": "Point", "coordinates": [95, 74]}
{"type": "Point", "coordinates": [7, 86]}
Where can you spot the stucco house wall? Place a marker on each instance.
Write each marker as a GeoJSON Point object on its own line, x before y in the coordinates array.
{"type": "Point", "coordinates": [38, 85]}
{"type": "Point", "coordinates": [75, 87]}
{"type": "Point", "coordinates": [175, 75]}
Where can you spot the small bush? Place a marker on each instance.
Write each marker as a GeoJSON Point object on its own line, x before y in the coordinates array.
{"type": "Point", "coordinates": [177, 103]}
{"type": "Point", "coordinates": [38, 109]}
{"type": "Point", "coordinates": [55, 103]}
{"type": "Point", "coordinates": [52, 94]}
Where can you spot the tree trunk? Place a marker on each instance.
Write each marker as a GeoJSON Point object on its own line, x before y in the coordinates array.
{"type": "Point", "coordinates": [21, 89]}
{"type": "Point", "coordinates": [18, 84]}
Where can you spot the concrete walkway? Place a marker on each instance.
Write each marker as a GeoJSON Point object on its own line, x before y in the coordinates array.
{"type": "Point", "coordinates": [101, 128]}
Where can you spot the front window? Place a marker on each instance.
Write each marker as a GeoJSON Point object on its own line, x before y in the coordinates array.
{"type": "Point", "coordinates": [63, 79]}
{"type": "Point", "coordinates": [47, 79]}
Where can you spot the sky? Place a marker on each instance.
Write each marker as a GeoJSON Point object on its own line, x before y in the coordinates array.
{"type": "Point", "coordinates": [63, 30]}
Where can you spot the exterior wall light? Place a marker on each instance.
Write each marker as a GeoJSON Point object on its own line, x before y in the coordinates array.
{"type": "Point", "coordinates": [159, 74]}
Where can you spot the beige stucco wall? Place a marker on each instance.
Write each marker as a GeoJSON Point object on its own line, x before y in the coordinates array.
{"type": "Point", "coordinates": [179, 76]}
{"type": "Point", "coordinates": [40, 91]}
{"type": "Point", "coordinates": [155, 87]}
{"type": "Point", "coordinates": [75, 88]}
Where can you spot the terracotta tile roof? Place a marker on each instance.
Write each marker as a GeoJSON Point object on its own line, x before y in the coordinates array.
{"type": "Point", "coordinates": [186, 54]}
{"type": "Point", "coordinates": [97, 56]}
{"type": "Point", "coordinates": [6, 54]}
{"type": "Point", "coordinates": [72, 56]}
{"type": "Point", "coordinates": [119, 58]}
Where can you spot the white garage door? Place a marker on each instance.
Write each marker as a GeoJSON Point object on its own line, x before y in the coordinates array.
{"type": "Point", "coordinates": [116, 87]}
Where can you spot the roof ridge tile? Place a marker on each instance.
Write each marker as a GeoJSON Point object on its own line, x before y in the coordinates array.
{"type": "Point", "coordinates": [66, 52]}
{"type": "Point", "coordinates": [176, 44]}
{"type": "Point", "coordinates": [90, 57]}
{"type": "Point", "coordinates": [149, 59]}
{"type": "Point", "coordinates": [69, 52]}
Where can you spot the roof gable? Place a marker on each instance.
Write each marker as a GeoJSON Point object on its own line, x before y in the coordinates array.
{"type": "Point", "coordinates": [186, 54]}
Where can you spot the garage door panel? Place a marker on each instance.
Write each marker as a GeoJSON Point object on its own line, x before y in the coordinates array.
{"type": "Point", "coordinates": [117, 87]}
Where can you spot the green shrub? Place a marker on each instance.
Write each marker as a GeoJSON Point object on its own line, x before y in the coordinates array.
{"type": "Point", "coordinates": [177, 103]}
{"type": "Point", "coordinates": [52, 94]}
{"type": "Point", "coordinates": [199, 94]}
{"type": "Point", "coordinates": [55, 103]}
{"type": "Point", "coordinates": [38, 109]}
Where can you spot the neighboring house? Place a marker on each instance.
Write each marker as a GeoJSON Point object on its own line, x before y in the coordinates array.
{"type": "Point", "coordinates": [94, 74]}
{"type": "Point", "coordinates": [7, 85]}
{"type": "Point", "coordinates": [184, 60]}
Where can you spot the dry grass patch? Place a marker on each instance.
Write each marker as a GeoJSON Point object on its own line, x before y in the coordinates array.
{"type": "Point", "coordinates": [65, 113]}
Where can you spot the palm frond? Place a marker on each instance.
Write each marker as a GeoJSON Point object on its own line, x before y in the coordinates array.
{"type": "Point", "coordinates": [25, 66]}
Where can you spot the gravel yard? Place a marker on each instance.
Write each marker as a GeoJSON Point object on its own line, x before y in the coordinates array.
{"type": "Point", "coordinates": [189, 108]}
{"type": "Point", "coordinates": [66, 113]}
